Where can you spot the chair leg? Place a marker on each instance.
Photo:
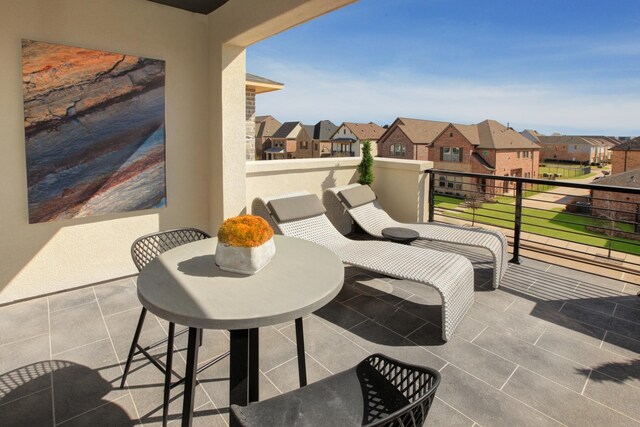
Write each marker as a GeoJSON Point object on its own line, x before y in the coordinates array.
{"type": "Point", "coordinates": [201, 334]}
{"type": "Point", "coordinates": [132, 351]}
{"type": "Point", "coordinates": [302, 364]}
{"type": "Point", "coordinates": [167, 374]}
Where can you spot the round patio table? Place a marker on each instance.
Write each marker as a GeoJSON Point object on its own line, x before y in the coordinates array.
{"type": "Point", "coordinates": [184, 286]}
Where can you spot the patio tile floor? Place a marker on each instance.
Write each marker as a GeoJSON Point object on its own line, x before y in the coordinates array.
{"type": "Point", "coordinates": [552, 346]}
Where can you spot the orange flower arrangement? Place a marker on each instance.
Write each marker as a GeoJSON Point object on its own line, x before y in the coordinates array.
{"type": "Point", "coordinates": [245, 231]}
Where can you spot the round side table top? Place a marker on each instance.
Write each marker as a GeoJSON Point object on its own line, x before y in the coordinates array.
{"type": "Point", "coordinates": [185, 286]}
{"type": "Point", "coordinates": [400, 234]}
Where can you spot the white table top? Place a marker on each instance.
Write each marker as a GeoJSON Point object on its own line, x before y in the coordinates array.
{"type": "Point", "coordinates": [185, 286]}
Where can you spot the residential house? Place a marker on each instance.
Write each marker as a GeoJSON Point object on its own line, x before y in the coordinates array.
{"type": "Point", "coordinates": [625, 156]}
{"type": "Point", "coordinates": [322, 133]}
{"type": "Point", "coordinates": [618, 206]}
{"type": "Point", "coordinates": [255, 85]}
{"type": "Point", "coordinates": [576, 148]}
{"type": "Point", "coordinates": [265, 127]}
{"type": "Point", "coordinates": [284, 141]}
{"type": "Point", "coordinates": [348, 138]}
{"type": "Point", "coordinates": [486, 148]}
{"type": "Point", "coordinates": [532, 135]}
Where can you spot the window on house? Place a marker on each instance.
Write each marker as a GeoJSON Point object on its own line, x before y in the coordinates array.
{"type": "Point", "coordinates": [518, 154]}
{"type": "Point", "coordinates": [453, 182]}
{"type": "Point", "coordinates": [527, 174]}
{"type": "Point", "coordinates": [451, 154]}
{"type": "Point", "coordinates": [398, 150]}
{"type": "Point", "coordinates": [450, 134]}
{"type": "Point", "coordinates": [442, 181]}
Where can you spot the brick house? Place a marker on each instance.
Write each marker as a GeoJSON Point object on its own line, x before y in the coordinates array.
{"type": "Point", "coordinates": [348, 138]}
{"type": "Point", "coordinates": [265, 127]}
{"type": "Point", "coordinates": [486, 148]}
{"type": "Point", "coordinates": [284, 141]}
{"type": "Point", "coordinates": [625, 156]}
{"type": "Point", "coordinates": [576, 148]}
{"type": "Point", "coordinates": [621, 207]}
{"type": "Point", "coordinates": [320, 145]}
{"type": "Point", "coordinates": [255, 85]}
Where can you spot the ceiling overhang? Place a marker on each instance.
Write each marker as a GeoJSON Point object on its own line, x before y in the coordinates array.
{"type": "Point", "coordinates": [204, 7]}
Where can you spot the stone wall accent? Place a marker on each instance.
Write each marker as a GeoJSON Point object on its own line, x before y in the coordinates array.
{"type": "Point", "coordinates": [251, 123]}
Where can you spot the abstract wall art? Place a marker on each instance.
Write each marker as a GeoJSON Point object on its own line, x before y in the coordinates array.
{"type": "Point", "coordinates": [94, 131]}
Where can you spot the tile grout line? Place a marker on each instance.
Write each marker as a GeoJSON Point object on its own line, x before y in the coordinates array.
{"type": "Point", "coordinates": [584, 387]}
{"type": "Point", "coordinates": [93, 409]}
{"type": "Point", "coordinates": [53, 399]}
{"type": "Point", "coordinates": [60, 310]}
{"type": "Point", "coordinates": [80, 346]}
{"type": "Point", "coordinates": [602, 341]}
{"type": "Point", "coordinates": [579, 394]}
{"type": "Point", "coordinates": [507, 380]}
{"type": "Point", "coordinates": [123, 311]}
{"type": "Point", "coordinates": [541, 334]}
{"type": "Point", "coordinates": [305, 352]}
{"type": "Point", "coordinates": [115, 353]}
{"type": "Point", "coordinates": [458, 411]}
{"type": "Point", "coordinates": [28, 338]}
{"type": "Point", "coordinates": [479, 333]}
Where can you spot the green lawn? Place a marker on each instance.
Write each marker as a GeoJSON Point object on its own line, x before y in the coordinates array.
{"type": "Point", "coordinates": [554, 223]}
{"type": "Point", "coordinates": [568, 171]}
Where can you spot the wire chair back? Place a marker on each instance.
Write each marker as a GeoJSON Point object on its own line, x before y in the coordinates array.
{"type": "Point", "coordinates": [146, 248]}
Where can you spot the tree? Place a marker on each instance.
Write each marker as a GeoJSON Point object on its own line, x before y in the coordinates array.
{"type": "Point", "coordinates": [365, 168]}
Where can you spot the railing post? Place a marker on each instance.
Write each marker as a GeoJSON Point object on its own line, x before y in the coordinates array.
{"type": "Point", "coordinates": [432, 193]}
{"type": "Point", "coordinates": [517, 224]}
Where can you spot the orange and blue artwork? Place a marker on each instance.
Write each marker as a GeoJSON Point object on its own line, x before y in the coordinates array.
{"type": "Point", "coordinates": [94, 131]}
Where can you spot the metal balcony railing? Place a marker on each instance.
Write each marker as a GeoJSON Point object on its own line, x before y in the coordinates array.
{"type": "Point", "coordinates": [588, 223]}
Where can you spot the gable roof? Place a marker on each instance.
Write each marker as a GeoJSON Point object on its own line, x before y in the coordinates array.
{"type": "Point", "coordinates": [486, 134]}
{"type": "Point", "coordinates": [365, 130]}
{"type": "Point", "coordinates": [531, 134]}
{"type": "Point", "coordinates": [309, 129]}
{"type": "Point", "coordinates": [285, 131]}
{"type": "Point", "coordinates": [324, 130]}
{"type": "Point", "coordinates": [266, 127]}
{"type": "Point", "coordinates": [629, 178]}
{"type": "Point", "coordinates": [631, 145]}
{"type": "Point", "coordinates": [493, 134]}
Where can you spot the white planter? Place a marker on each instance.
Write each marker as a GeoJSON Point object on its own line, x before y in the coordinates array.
{"type": "Point", "coordinates": [244, 260]}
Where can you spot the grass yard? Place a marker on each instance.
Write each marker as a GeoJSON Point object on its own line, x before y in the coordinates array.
{"type": "Point", "coordinates": [553, 223]}
{"type": "Point", "coordinates": [568, 171]}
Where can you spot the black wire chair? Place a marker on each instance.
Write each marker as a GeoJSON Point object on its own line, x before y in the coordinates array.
{"type": "Point", "coordinates": [144, 250]}
{"type": "Point", "coordinates": [379, 391]}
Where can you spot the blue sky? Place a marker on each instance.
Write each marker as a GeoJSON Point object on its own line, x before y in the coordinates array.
{"type": "Point", "coordinates": [568, 66]}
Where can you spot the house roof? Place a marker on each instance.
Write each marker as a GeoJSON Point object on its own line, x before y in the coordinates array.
{"type": "Point", "coordinates": [262, 84]}
{"type": "Point", "coordinates": [286, 130]}
{"type": "Point", "coordinates": [629, 178]}
{"type": "Point", "coordinates": [266, 126]}
{"type": "Point", "coordinates": [631, 145]}
{"type": "Point", "coordinates": [309, 129]}
{"type": "Point", "coordinates": [486, 134]}
{"type": "Point", "coordinates": [594, 141]}
{"type": "Point", "coordinates": [531, 134]}
{"type": "Point", "coordinates": [365, 130]}
{"type": "Point", "coordinates": [324, 129]}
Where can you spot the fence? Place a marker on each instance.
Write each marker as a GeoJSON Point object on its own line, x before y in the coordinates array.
{"type": "Point", "coordinates": [593, 224]}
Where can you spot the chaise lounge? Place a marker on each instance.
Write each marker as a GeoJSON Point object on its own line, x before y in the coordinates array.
{"type": "Point", "coordinates": [359, 201]}
{"type": "Point", "coordinates": [302, 215]}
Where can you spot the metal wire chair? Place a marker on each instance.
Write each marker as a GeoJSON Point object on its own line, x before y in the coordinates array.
{"type": "Point", "coordinates": [144, 250]}
{"type": "Point", "coordinates": [379, 391]}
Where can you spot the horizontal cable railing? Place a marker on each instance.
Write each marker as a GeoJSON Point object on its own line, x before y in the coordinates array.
{"type": "Point", "coordinates": [590, 223]}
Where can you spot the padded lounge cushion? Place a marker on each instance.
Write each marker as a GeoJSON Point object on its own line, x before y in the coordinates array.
{"type": "Point", "coordinates": [357, 196]}
{"type": "Point", "coordinates": [296, 208]}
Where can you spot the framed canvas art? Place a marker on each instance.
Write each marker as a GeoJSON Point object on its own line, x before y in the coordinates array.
{"type": "Point", "coordinates": [94, 131]}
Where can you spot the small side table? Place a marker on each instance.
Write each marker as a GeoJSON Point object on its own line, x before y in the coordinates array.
{"type": "Point", "coordinates": [400, 234]}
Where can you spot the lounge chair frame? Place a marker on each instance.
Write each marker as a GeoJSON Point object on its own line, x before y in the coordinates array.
{"type": "Point", "coordinates": [450, 274]}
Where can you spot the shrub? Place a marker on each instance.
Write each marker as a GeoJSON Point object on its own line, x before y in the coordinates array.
{"type": "Point", "coordinates": [365, 168]}
{"type": "Point", "coordinates": [245, 231]}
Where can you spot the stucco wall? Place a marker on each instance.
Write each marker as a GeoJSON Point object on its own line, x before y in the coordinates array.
{"type": "Point", "coordinates": [43, 258]}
